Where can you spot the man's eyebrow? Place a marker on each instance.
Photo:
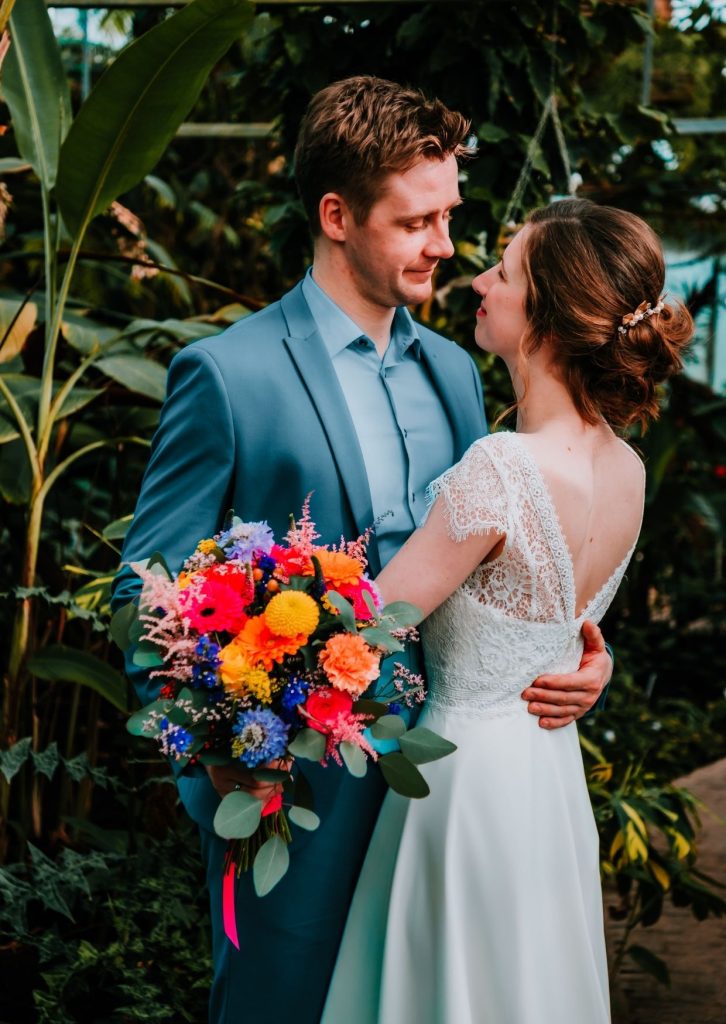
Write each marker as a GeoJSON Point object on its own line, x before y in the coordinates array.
{"type": "Point", "coordinates": [427, 213]}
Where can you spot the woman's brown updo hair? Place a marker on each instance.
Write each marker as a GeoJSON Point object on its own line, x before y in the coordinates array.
{"type": "Point", "coordinates": [586, 267]}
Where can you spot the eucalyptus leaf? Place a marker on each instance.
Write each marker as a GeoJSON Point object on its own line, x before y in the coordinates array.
{"type": "Point", "coordinates": [304, 818]}
{"type": "Point", "coordinates": [373, 708]}
{"type": "Point", "coordinates": [402, 776]}
{"type": "Point", "coordinates": [308, 744]}
{"type": "Point", "coordinates": [421, 745]}
{"type": "Point", "coordinates": [271, 864]}
{"type": "Point", "coordinates": [354, 759]}
{"type": "Point", "coordinates": [403, 612]}
{"type": "Point", "coordinates": [377, 636]}
{"type": "Point", "coordinates": [136, 721]}
{"type": "Point", "coordinates": [345, 608]}
{"type": "Point", "coordinates": [389, 727]}
{"type": "Point", "coordinates": [238, 815]}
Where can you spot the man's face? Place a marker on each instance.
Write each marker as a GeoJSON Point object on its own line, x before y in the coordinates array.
{"type": "Point", "coordinates": [392, 256]}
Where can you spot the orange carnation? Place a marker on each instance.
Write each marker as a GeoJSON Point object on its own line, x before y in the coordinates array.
{"type": "Point", "coordinates": [337, 567]}
{"type": "Point", "coordinates": [349, 663]}
{"type": "Point", "coordinates": [260, 646]}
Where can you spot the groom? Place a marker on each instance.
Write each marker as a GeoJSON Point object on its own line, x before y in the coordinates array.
{"type": "Point", "coordinates": [332, 390]}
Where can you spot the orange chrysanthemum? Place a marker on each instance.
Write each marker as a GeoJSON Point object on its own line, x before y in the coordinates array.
{"type": "Point", "coordinates": [349, 663]}
{"type": "Point", "coordinates": [337, 567]}
{"type": "Point", "coordinates": [260, 646]}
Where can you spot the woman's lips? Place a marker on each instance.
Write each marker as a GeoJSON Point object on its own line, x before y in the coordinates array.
{"type": "Point", "coordinates": [481, 311]}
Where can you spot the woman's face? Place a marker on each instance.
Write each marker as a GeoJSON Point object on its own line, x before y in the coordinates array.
{"type": "Point", "coordinates": [501, 319]}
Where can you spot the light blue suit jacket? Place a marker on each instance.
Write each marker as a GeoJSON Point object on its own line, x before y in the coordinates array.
{"type": "Point", "coordinates": [255, 420]}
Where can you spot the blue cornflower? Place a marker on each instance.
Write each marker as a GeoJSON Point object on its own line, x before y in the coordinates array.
{"type": "Point", "coordinates": [175, 739]}
{"type": "Point", "coordinates": [267, 563]}
{"type": "Point", "coordinates": [395, 708]}
{"type": "Point", "coordinates": [242, 540]}
{"type": "Point", "coordinates": [259, 736]}
{"type": "Point", "coordinates": [294, 693]}
{"type": "Point", "coordinates": [204, 673]}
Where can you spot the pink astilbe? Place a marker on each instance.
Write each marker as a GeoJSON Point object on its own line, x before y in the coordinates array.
{"type": "Point", "coordinates": [165, 626]}
{"type": "Point", "coordinates": [302, 535]}
{"type": "Point", "coordinates": [347, 728]}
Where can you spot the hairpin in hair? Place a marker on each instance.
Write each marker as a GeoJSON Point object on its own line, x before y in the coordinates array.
{"type": "Point", "coordinates": [643, 310]}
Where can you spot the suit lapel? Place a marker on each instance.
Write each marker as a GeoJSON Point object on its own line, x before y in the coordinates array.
{"type": "Point", "coordinates": [315, 367]}
{"type": "Point", "coordinates": [455, 400]}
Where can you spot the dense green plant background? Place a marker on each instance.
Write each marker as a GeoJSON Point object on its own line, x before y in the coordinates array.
{"type": "Point", "coordinates": [100, 892]}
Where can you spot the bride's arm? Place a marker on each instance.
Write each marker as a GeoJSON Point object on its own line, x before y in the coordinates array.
{"type": "Point", "coordinates": [431, 564]}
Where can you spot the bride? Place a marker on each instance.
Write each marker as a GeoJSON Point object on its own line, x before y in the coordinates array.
{"type": "Point", "coordinates": [481, 904]}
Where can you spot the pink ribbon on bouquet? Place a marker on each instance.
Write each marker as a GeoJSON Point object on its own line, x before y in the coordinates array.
{"type": "Point", "coordinates": [228, 913]}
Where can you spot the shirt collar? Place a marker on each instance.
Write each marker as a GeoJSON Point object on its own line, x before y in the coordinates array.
{"type": "Point", "coordinates": [338, 331]}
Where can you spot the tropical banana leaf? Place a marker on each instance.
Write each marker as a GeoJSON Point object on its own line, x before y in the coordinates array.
{"type": "Point", "coordinates": [36, 89]}
{"type": "Point", "coordinates": [66, 664]}
{"type": "Point", "coordinates": [136, 374]}
{"type": "Point", "coordinates": [135, 109]}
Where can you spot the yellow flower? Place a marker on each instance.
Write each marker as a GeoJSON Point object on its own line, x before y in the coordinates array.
{"type": "Point", "coordinates": [207, 546]}
{"type": "Point", "coordinates": [292, 613]}
{"type": "Point", "coordinates": [242, 679]}
{"type": "Point", "coordinates": [183, 580]}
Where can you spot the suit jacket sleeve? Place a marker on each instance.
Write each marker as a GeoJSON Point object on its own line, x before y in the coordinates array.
{"type": "Point", "coordinates": [187, 483]}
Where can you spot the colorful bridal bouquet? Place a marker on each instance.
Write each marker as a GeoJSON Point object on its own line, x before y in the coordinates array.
{"type": "Point", "coordinates": [266, 653]}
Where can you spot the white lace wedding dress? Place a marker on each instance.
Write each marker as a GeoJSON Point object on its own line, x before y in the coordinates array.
{"type": "Point", "coordinates": [481, 903]}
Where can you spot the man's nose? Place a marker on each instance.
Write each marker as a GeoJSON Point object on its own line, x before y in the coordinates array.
{"type": "Point", "coordinates": [439, 243]}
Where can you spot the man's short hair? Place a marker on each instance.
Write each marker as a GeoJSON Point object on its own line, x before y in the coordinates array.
{"type": "Point", "coordinates": [358, 131]}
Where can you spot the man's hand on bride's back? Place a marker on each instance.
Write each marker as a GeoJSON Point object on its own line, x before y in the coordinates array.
{"type": "Point", "coordinates": [560, 699]}
{"type": "Point", "coordinates": [227, 777]}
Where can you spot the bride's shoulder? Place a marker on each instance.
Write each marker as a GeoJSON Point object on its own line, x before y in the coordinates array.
{"type": "Point", "coordinates": [496, 448]}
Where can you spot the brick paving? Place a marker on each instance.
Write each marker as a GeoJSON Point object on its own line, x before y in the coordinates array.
{"type": "Point", "coordinates": [695, 951]}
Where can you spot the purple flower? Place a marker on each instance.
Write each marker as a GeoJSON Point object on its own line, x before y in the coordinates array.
{"type": "Point", "coordinates": [242, 540]}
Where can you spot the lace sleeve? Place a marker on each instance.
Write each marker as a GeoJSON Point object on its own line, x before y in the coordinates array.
{"type": "Point", "coordinates": [473, 493]}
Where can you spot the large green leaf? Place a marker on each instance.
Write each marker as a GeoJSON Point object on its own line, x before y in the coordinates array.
{"type": "Point", "coordinates": [69, 665]}
{"type": "Point", "coordinates": [36, 89]}
{"type": "Point", "coordinates": [133, 112]}
{"type": "Point", "coordinates": [137, 374]}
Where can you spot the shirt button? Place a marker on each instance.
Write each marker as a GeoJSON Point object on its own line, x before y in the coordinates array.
{"type": "Point", "coordinates": [405, 432]}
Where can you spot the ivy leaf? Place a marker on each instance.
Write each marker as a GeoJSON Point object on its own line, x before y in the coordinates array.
{"type": "Point", "coordinates": [13, 759]}
{"type": "Point", "coordinates": [46, 761]}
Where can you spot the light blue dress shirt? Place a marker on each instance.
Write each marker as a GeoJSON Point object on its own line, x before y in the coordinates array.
{"type": "Point", "coordinates": [404, 433]}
